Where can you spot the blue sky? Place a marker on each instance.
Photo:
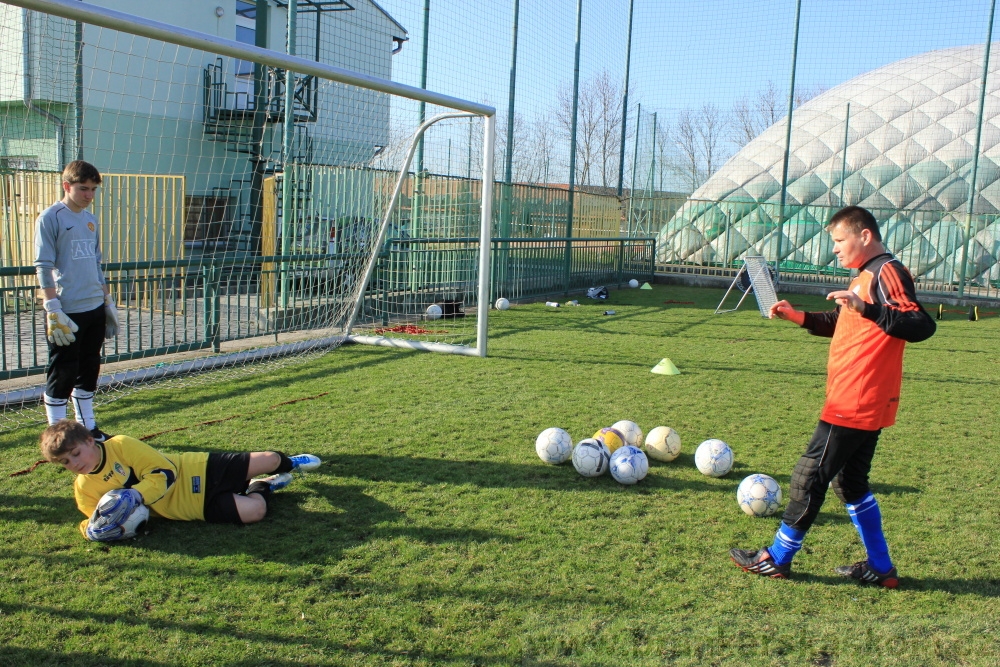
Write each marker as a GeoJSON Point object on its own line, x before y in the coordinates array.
{"type": "Point", "coordinates": [685, 53]}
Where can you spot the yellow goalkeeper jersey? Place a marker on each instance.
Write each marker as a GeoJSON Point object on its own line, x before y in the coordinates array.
{"type": "Point", "coordinates": [172, 487]}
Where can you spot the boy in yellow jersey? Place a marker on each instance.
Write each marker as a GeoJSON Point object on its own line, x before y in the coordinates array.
{"type": "Point", "coordinates": [189, 486]}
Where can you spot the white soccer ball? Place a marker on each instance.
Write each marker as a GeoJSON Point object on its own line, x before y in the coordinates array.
{"type": "Point", "coordinates": [629, 464]}
{"type": "Point", "coordinates": [591, 457]}
{"type": "Point", "coordinates": [633, 283]}
{"type": "Point", "coordinates": [434, 312]}
{"type": "Point", "coordinates": [713, 458]}
{"type": "Point", "coordinates": [630, 431]}
{"type": "Point", "coordinates": [135, 522]}
{"type": "Point", "coordinates": [554, 446]}
{"type": "Point", "coordinates": [502, 304]}
{"type": "Point", "coordinates": [663, 444]}
{"type": "Point", "coordinates": [759, 495]}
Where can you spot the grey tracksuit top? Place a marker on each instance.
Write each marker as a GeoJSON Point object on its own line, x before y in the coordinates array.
{"type": "Point", "coordinates": [68, 257]}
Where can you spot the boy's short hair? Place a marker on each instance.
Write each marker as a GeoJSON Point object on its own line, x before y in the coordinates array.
{"type": "Point", "coordinates": [856, 218]}
{"type": "Point", "coordinates": [79, 171]}
{"type": "Point", "coordinates": [60, 438]}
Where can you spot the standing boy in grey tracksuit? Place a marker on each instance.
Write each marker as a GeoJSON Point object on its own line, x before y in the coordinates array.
{"type": "Point", "coordinates": [79, 310]}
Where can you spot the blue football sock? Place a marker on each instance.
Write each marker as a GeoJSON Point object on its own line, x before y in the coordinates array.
{"type": "Point", "coordinates": [868, 520]}
{"type": "Point", "coordinates": [787, 542]}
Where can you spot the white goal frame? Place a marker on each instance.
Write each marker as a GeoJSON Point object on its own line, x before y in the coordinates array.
{"type": "Point", "coordinates": [486, 214]}
{"type": "Point", "coordinates": [165, 32]}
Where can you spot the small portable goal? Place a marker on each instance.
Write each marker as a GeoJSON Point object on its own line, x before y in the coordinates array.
{"type": "Point", "coordinates": [756, 276]}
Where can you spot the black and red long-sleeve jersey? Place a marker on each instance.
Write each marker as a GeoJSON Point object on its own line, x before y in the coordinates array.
{"type": "Point", "coordinates": [865, 368]}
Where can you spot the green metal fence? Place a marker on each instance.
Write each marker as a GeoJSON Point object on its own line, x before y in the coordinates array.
{"type": "Point", "coordinates": [175, 306]}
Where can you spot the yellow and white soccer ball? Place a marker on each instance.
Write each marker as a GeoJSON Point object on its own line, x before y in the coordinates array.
{"type": "Point", "coordinates": [663, 444]}
{"type": "Point", "coordinates": [631, 431]}
{"type": "Point", "coordinates": [759, 495]}
{"type": "Point", "coordinates": [554, 446]}
{"type": "Point", "coordinates": [611, 437]}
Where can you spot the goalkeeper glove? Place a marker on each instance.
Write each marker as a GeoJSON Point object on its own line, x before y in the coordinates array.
{"type": "Point", "coordinates": [110, 318]}
{"type": "Point", "coordinates": [115, 506]}
{"type": "Point", "coordinates": [58, 327]}
{"type": "Point", "coordinates": [101, 531]}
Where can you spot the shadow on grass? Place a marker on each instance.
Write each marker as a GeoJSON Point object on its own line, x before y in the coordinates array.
{"type": "Point", "coordinates": [493, 474]}
{"type": "Point", "coordinates": [312, 642]}
{"type": "Point", "coordinates": [26, 656]}
{"type": "Point", "coordinates": [290, 378]}
{"type": "Point", "coordinates": [986, 588]}
{"type": "Point", "coordinates": [40, 509]}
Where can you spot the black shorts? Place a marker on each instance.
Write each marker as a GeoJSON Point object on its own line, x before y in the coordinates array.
{"type": "Point", "coordinates": [225, 475]}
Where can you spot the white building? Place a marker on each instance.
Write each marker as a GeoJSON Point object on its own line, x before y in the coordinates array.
{"type": "Point", "coordinates": [155, 108]}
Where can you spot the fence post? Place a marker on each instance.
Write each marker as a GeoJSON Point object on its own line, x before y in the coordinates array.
{"type": "Point", "coordinates": [287, 135]}
{"type": "Point", "coordinates": [213, 305]}
{"type": "Point", "coordinates": [572, 147]}
{"type": "Point", "coordinates": [628, 65]}
{"type": "Point", "coordinates": [635, 159]}
{"type": "Point", "coordinates": [788, 142]}
{"type": "Point", "coordinates": [621, 261]}
{"type": "Point", "coordinates": [418, 183]}
{"type": "Point", "coordinates": [843, 162]}
{"type": "Point", "coordinates": [507, 194]}
{"type": "Point", "coordinates": [975, 154]}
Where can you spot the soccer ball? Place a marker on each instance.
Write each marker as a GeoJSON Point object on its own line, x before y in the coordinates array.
{"type": "Point", "coordinates": [713, 458]}
{"type": "Point", "coordinates": [135, 522]}
{"type": "Point", "coordinates": [611, 437]}
{"type": "Point", "coordinates": [629, 464]}
{"type": "Point", "coordinates": [633, 283]}
{"type": "Point", "coordinates": [759, 495]}
{"type": "Point", "coordinates": [591, 457]}
{"type": "Point", "coordinates": [434, 312]}
{"type": "Point", "coordinates": [554, 446]}
{"type": "Point", "coordinates": [663, 444]}
{"type": "Point", "coordinates": [502, 304]}
{"type": "Point", "coordinates": [631, 431]}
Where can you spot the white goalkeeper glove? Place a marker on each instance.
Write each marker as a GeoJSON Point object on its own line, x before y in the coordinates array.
{"type": "Point", "coordinates": [110, 318]}
{"type": "Point", "coordinates": [118, 515]}
{"type": "Point", "coordinates": [58, 327]}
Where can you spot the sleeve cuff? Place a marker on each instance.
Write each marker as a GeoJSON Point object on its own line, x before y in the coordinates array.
{"type": "Point", "coordinates": [871, 311]}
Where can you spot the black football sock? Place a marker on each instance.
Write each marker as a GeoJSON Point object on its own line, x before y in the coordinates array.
{"type": "Point", "coordinates": [285, 465]}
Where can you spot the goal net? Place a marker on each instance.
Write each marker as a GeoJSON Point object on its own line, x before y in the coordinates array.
{"type": "Point", "coordinates": [268, 191]}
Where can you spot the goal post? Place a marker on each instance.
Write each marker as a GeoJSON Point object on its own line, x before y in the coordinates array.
{"type": "Point", "coordinates": [483, 287]}
{"type": "Point", "coordinates": [253, 200]}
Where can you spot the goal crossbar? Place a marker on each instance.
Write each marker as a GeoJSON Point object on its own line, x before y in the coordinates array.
{"type": "Point", "coordinates": [165, 32]}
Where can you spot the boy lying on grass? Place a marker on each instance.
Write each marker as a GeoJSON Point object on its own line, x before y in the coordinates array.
{"type": "Point", "coordinates": [217, 487]}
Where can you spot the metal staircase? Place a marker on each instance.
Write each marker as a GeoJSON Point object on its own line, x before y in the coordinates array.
{"type": "Point", "coordinates": [230, 117]}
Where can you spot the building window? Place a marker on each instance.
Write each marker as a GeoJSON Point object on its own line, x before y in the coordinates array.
{"type": "Point", "coordinates": [19, 163]}
{"type": "Point", "coordinates": [246, 33]}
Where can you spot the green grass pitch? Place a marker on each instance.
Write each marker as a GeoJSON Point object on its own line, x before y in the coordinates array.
{"type": "Point", "coordinates": [433, 535]}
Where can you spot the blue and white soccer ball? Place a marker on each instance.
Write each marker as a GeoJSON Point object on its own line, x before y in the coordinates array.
{"type": "Point", "coordinates": [502, 304]}
{"type": "Point", "coordinates": [713, 458]}
{"type": "Point", "coordinates": [434, 312]}
{"type": "Point", "coordinates": [554, 446]}
{"type": "Point", "coordinates": [591, 457]}
{"type": "Point", "coordinates": [630, 431]}
{"type": "Point", "coordinates": [759, 495]}
{"type": "Point", "coordinates": [633, 283]}
{"type": "Point", "coordinates": [629, 465]}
